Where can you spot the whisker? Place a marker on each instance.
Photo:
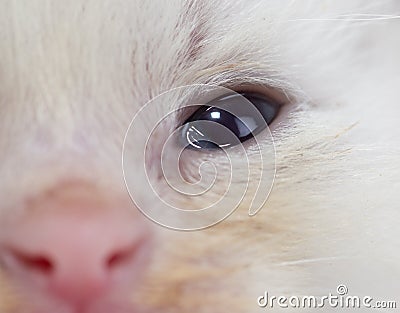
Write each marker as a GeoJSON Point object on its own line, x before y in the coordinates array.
{"type": "Point", "coordinates": [361, 17]}
{"type": "Point", "coordinates": [314, 260]}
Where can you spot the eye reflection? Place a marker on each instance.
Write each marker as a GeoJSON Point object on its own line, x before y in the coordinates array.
{"type": "Point", "coordinates": [216, 115]}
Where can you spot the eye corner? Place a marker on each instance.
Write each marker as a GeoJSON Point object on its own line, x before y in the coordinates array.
{"type": "Point", "coordinates": [286, 100]}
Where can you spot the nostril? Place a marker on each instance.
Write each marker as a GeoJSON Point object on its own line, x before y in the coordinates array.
{"type": "Point", "coordinates": [36, 263]}
{"type": "Point", "coordinates": [120, 257]}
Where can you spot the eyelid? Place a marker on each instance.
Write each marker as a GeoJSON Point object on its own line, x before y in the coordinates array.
{"type": "Point", "coordinates": [277, 95]}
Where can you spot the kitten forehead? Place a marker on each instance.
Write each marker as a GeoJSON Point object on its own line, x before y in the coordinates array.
{"type": "Point", "coordinates": [106, 52]}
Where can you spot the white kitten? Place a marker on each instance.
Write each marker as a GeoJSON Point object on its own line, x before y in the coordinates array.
{"type": "Point", "coordinates": [74, 74]}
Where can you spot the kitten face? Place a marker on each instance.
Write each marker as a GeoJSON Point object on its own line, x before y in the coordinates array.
{"type": "Point", "coordinates": [73, 76]}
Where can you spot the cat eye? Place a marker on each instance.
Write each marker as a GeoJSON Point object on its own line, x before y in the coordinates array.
{"type": "Point", "coordinates": [229, 120]}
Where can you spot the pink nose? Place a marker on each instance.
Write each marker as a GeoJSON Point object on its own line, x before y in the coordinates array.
{"type": "Point", "coordinates": [76, 248]}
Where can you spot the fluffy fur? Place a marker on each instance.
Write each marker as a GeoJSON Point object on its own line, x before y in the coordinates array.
{"type": "Point", "coordinates": [73, 74]}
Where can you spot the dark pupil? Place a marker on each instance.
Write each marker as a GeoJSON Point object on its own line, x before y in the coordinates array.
{"type": "Point", "coordinates": [243, 125]}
